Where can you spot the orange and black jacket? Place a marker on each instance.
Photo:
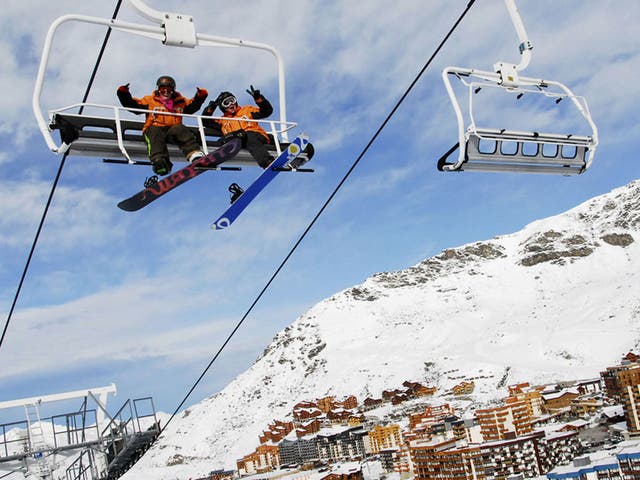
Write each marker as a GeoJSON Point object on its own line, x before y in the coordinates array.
{"type": "Point", "coordinates": [155, 104]}
{"type": "Point", "coordinates": [238, 120]}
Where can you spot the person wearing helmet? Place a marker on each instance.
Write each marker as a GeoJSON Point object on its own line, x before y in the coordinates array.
{"type": "Point", "coordinates": [236, 122]}
{"type": "Point", "coordinates": [161, 129]}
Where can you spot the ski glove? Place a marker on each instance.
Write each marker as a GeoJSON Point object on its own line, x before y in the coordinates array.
{"type": "Point", "coordinates": [201, 93]}
{"type": "Point", "coordinates": [210, 108]}
{"type": "Point", "coordinates": [253, 92]}
{"type": "Point", "coordinates": [123, 88]}
{"type": "Point", "coordinates": [241, 134]}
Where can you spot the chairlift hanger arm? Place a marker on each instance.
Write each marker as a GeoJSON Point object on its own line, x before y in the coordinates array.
{"type": "Point", "coordinates": [525, 46]}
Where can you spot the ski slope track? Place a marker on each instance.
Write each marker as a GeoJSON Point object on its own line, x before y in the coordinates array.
{"type": "Point", "coordinates": [558, 300]}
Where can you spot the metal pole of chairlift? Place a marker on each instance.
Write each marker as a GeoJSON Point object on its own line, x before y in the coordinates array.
{"type": "Point", "coordinates": [525, 45]}
{"type": "Point", "coordinates": [146, 11]}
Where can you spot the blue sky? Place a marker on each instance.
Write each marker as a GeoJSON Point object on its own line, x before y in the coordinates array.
{"type": "Point", "coordinates": [144, 300]}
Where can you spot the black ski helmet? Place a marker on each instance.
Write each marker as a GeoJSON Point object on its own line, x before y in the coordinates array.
{"type": "Point", "coordinates": [222, 97]}
{"type": "Point", "coordinates": [166, 81]}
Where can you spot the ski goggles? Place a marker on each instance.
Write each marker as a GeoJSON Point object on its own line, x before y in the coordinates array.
{"type": "Point", "coordinates": [228, 101]}
{"type": "Point", "coordinates": [165, 88]}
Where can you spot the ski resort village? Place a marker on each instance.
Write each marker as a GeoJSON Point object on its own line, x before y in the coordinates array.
{"type": "Point", "coordinates": [573, 429]}
{"type": "Point", "coordinates": [582, 429]}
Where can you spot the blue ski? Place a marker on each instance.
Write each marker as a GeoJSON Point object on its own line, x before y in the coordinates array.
{"type": "Point", "coordinates": [281, 162]}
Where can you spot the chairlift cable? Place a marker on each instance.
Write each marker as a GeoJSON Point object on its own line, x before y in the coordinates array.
{"type": "Point", "coordinates": [55, 182]}
{"type": "Point", "coordinates": [20, 469]}
{"type": "Point", "coordinates": [312, 223]}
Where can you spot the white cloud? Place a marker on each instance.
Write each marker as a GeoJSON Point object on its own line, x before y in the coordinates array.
{"type": "Point", "coordinates": [72, 220]}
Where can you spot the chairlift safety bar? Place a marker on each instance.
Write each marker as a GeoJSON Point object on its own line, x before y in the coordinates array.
{"type": "Point", "coordinates": [274, 127]}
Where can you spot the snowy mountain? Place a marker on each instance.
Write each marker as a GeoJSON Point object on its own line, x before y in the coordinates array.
{"type": "Point", "coordinates": [557, 300]}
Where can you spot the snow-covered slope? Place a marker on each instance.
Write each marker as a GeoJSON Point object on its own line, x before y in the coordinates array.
{"type": "Point", "coordinates": [559, 299]}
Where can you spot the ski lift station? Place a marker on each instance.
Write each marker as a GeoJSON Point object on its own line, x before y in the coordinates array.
{"type": "Point", "coordinates": [86, 443]}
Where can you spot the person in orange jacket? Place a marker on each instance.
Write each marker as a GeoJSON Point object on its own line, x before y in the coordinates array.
{"type": "Point", "coordinates": [161, 129]}
{"type": "Point", "coordinates": [234, 122]}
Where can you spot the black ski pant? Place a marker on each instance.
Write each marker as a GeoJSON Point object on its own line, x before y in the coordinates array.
{"type": "Point", "coordinates": [158, 137]}
{"type": "Point", "coordinates": [257, 143]}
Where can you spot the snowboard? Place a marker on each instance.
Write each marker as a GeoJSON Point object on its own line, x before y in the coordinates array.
{"type": "Point", "coordinates": [168, 183]}
{"type": "Point", "coordinates": [282, 163]}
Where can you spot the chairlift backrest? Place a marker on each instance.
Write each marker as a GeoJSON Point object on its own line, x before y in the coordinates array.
{"type": "Point", "coordinates": [172, 30]}
{"type": "Point", "coordinates": [509, 149]}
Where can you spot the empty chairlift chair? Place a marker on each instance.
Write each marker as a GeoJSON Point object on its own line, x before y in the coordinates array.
{"type": "Point", "coordinates": [496, 148]}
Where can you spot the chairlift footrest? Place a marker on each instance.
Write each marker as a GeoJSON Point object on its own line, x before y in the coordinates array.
{"type": "Point", "coordinates": [289, 169]}
{"type": "Point", "coordinates": [235, 169]}
{"type": "Point", "coordinates": [125, 162]}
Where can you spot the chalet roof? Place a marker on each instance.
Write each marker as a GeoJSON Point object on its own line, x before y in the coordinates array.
{"type": "Point", "coordinates": [578, 423]}
{"type": "Point", "coordinates": [613, 411]}
{"type": "Point", "coordinates": [307, 409]}
{"type": "Point", "coordinates": [560, 394]}
{"type": "Point", "coordinates": [629, 452]}
{"type": "Point", "coordinates": [554, 435]}
{"type": "Point", "coordinates": [582, 466]}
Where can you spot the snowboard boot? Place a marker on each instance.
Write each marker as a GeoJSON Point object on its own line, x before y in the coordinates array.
{"type": "Point", "coordinates": [195, 155]}
{"type": "Point", "coordinates": [161, 166]}
{"type": "Point", "coordinates": [235, 191]}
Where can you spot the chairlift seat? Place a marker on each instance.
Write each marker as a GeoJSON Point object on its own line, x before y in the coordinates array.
{"type": "Point", "coordinates": [91, 136]}
{"type": "Point", "coordinates": [494, 150]}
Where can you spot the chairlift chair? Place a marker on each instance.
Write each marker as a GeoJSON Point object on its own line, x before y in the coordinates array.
{"type": "Point", "coordinates": [120, 140]}
{"type": "Point", "coordinates": [500, 149]}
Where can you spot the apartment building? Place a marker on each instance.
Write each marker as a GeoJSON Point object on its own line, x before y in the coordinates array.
{"type": "Point", "coordinates": [507, 421]}
{"type": "Point", "coordinates": [383, 438]}
{"type": "Point", "coordinates": [610, 378]}
{"type": "Point", "coordinates": [530, 396]}
{"type": "Point", "coordinates": [529, 455]}
{"type": "Point", "coordinates": [265, 459]}
{"type": "Point", "coordinates": [346, 444]}
{"type": "Point", "coordinates": [628, 381]}
{"type": "Point", "coordinates": [308, 428]}
{"type": "Point", "coordinates": [299, 451]}
{"type": "Point", "coordinates": [371, 403]}
{"type": "Point", "coordinates": [621, 465]}
{"type": "Point", "coordinates": [430, 415]}
{"type": "Point", "coordinates": [325, 404]}
{"type": "Point", "coordinates": [559, 400]}
{"type": "Point", "coordinates": [464, 388]}
{"type": "Point", "coordinates": [629, 462]}
{"type": "Point", "coordinates": [415, 389]}
{"type": "Point", "coordinates": [443, 460]}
